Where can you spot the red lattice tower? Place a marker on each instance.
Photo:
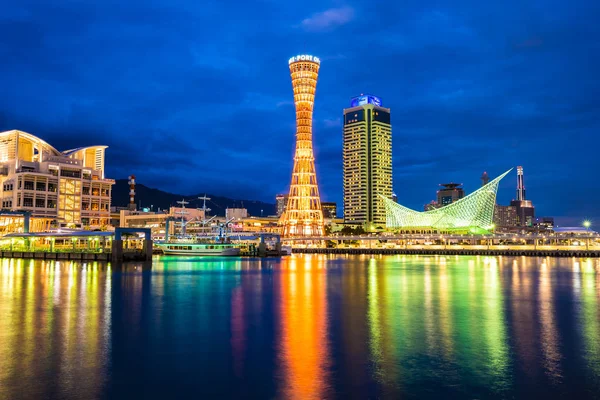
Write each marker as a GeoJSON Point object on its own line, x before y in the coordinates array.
{"type": "Point", "coordinates": [303, 216]}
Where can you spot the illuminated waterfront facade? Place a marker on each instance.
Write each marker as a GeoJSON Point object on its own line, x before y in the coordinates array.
{"type": "Point", "coordinates": [66, 187]}
{"type": "Point", "coordinates": [303, 215]}
{"type": "Point", "coordinates": [367, 158]}
{"type": "Point", "coordinates": [473, 213]}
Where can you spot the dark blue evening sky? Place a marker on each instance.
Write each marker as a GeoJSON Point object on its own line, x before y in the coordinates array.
{"type": "Point", "coordinates": [195, 96]}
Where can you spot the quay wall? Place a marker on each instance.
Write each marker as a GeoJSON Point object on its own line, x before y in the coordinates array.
{"type": "Point", "coordinates": [456, 252]}
{"type": "Point", "coordinates": [78, 256]}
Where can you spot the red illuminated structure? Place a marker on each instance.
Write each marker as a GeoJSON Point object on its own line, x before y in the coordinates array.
{"type": "Point", "coordinates": [131, 182]}
{"type": "Point", "coordinates": [303, 215]}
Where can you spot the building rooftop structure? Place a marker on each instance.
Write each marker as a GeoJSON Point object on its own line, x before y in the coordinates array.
{"type": "Point", "coordinates": [473, 213]}
{"type": "Point", "coordinates": [67, 188]}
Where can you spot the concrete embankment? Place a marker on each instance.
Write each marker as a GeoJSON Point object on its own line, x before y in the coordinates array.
{"type": "Point", "coordinates": [78, 256]}
{"type": "Point", "coordinates": [455, 252]}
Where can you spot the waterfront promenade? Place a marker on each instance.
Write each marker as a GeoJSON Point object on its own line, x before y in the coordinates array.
{"type": "Point", "coordinates": [493, 245]}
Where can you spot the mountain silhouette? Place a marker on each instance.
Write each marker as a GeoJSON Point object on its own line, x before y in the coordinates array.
{"type": "Point", "coordinates": [155, 198]}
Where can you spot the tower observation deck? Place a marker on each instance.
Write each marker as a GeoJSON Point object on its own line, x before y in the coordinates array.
{"type": "Point", "coordinates": [303, 216]}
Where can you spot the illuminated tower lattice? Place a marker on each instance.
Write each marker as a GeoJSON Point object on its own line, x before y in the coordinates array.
{"type": "Point", "coordinates": [303, 215]}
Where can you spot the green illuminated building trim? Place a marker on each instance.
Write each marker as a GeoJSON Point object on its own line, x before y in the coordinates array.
{"type": "Point", "coordinates": [473, 213]}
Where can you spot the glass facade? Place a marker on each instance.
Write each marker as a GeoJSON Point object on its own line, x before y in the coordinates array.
{"type": "Point", "coordinates": [69, 201]}
{"type": "Point", "coordinates": [354, 116]}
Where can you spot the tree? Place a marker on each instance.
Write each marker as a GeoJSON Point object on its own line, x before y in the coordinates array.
{"type": "Point", "coordinates": [347, 230]}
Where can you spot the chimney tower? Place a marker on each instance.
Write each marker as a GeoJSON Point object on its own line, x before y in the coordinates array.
{"type": "Point", "coordinates": [132, 206]}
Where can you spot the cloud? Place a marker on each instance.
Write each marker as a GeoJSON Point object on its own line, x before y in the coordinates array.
{"type": "Point", "coordinates": [176, 93]}
{"type": "Point", "coordinates": [328, 19]}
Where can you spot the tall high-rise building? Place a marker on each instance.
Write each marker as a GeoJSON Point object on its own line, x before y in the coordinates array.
{"type": "Point", "coordinates": [303, 216]}
{"type": "Point", "coordinates": [367, 161]}
{"type": "Point", "coordinates": [525, 209]}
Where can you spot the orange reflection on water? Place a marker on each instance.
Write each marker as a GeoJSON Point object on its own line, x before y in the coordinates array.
{"type": "Point", "coordinates": [303, 348]}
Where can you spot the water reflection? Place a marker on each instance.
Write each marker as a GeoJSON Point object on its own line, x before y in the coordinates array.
{"type": "Point", "coordinates": [589, 314]}
{"type": "Point", "coordinates": [549, 333]}
{"type": "Point", "coordinates": [54, 329]}
{"type": "Point", "coordinates": [301, 327]}
{"type": "Point", "coordinates": [303, 349]}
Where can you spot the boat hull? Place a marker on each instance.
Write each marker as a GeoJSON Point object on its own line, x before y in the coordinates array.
{"type": "Point", "coordinates": [198, 250]}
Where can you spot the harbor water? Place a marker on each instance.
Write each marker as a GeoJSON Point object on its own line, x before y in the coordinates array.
{"type": "Point", "coordinates": [301, 327]}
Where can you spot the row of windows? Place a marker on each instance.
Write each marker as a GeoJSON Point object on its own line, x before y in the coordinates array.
{"type": "Point", "coordinates": [94, 221]}
{"type": "Point", "coordinates": [95, 206]}
{"type": "Point", "coordinates": [210, 247]}
{"type": "Point", "coordinates": [39, 202]}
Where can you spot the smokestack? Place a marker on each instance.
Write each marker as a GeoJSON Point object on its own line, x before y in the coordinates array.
{"type": "Point", "coordinates": [132, 206]}
{"type": "Point", "coordinates": [520, 184]}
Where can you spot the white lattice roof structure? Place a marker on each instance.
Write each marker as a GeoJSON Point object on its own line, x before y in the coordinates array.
{"type": "Point", "coordinates": [474, 212]}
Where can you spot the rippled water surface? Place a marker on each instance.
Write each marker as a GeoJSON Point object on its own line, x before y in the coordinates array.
{"type": "Point", "coordinates": [305, 327]}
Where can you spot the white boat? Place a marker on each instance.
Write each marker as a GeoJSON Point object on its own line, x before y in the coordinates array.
{"type": "Point", "coordinates": [183, 245]}
{"type": "Point", "coordinates": [199, 249]}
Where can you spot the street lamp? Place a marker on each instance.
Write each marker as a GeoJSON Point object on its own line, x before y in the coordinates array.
{"type": "Point", "coordinates": [587, 224]}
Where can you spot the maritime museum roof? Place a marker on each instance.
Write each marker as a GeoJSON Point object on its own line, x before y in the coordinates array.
{"type": "Point", "coordinates": [473, 213]}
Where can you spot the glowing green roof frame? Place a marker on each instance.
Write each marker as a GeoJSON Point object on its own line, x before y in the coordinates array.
{"type": "Point", "coordinates": [474, 212]}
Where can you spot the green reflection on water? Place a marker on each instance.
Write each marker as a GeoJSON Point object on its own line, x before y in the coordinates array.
{"type": "Point", "coordinates": [442, 316]}
{"type": "Point", "coordinates": [590, 314]}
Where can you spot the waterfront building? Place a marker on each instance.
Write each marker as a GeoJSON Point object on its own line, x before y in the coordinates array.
{"type": "Point", "coordinates": [236, 213]}
{"type": "Point", "coordinates": [281, 204]}
{"type": "Point", "coordinates": [67, 188]}
{"type": "Point", "coordinates": [329, 210]}
{"type": "Point", "coordinates": [432, 205]}
{"type": "Point", "coordinates": [157, 221]}
{"type": "Point", "coordinates": [303, 216]}
{"type": "Point", "coordinates": [525, 208]}
{"type": "Point", "coordinates": [449, 193]}
{"type": "Point", "coordinates": [546, 223]}
{"type": "Point", "coordinates": [471, 214]}
{"type": "Point", "coordinates": [367, 162]}
{"type": "Point", "coordinates": [505, 216]}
